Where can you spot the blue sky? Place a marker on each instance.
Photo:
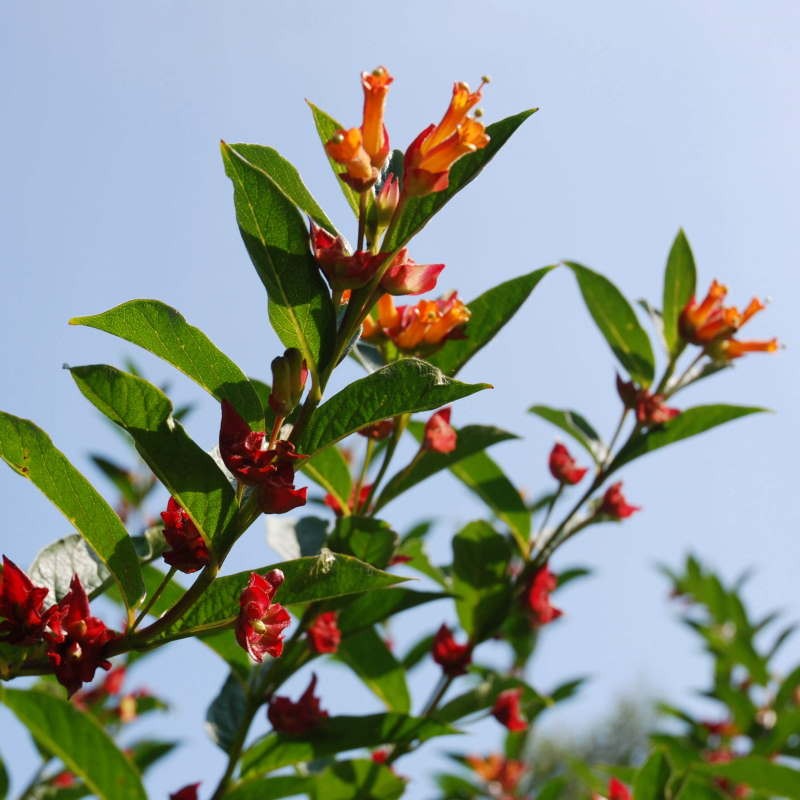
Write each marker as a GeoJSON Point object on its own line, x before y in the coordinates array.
{"type": "Point", "coordinates": [653, 116]}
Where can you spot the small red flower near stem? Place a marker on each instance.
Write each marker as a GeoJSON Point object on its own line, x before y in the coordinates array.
{"type": "Point", "coordinates": [21, 607]}
{"type": "Point", "coordinates": [452, 657]}
{"type": "Point", "coordinates": [616, 791]}
{"type": "Point", "coordinates": [563, 466]}
{"type": "Point", "coordinates": [188, 792]}
{"type": "Point", "coordinates": [324, 634]}
{"type": "Point", "coordinates": [354, 503]}
{"type": "Point", "coordinates": [63, 780]}
{"type": "Point", "coordinates": [76, 640]}
{"type": "Point", "coordinates": [111, 685]}
{"type": "Point", "coordinates": [260, 626]}
{"type": "Point", "coordinates": [506, 710]}
{"type": "Point", "coordinates": [188, 550]}
{"type": "Point", "coordinates": [650, 408]}
{"type": "Point", "coordinates": [614, 503]}
{"type": "Point", "coordinates": [297, 718]}
{"type": "Point", "coordinates": [440, 436]}
{"type": "Point", "coordinates": [542, 584]}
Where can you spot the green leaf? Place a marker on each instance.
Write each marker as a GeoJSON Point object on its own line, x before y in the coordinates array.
{"type": "Point", "coordinates": [190, 475]}
{"type": "Point", "coordinates": [79, 741]}
{"type": "Point", "coordinates": [480, 578]}
{"type": "Point", "coordinates": [4, 784]}
{"type": "Point", "coordinates": [55, 565]}
{"type": "Point", "coordinates": [680, 278]}
{"type": "Point", "coordinates": [617, 322]}
{"type": "Point", "coordinates": [306, 580]}
{"type": "Point", "coordinates": [373, 607]}
{"type": "Point", "coordinates": [483, 696]}
{"type": "Point", "coordinates": [359, 779]}
{"type": "Point", "coordinates": [146, 752]}
{"type": "Point", "coordinates": [329, 469]}
{"type": "Point", "coordinates": [576, 426]}
{"type": "Point", "coordinates": [418, 210]}
{"type": "Point", "coordinates": [696, 789]}
{"type": "Point", "coordinates": [270, 788]}
{"type": "Point", "coordinates": [276, 238]}
{"type": "Point", "coordinates": [285, 175]}
{"type": "Point", "coordinates": [406, 386]}
{"type": "Point", "coordinates": [651, 780]}
{"type": "Point", "coordinates": [162, 330]}
{"type": "Point", "coordinates": [760, 774]}
{"type": "Point", "coordinates": [336, 735]}
{"type": "Point", "coordinates": [368, 656]}
{"type": "Point", "coordinates": [29, 451]}
{"type": "Point", "coordinates": [553, 789]}
{"type": "Point", "coordinates": [490, 312]}
{"type": "Point", "coordinates": [689, 423]}
{"type": "Point", "coordinates": [133, 491]}
{"type": "Point", "coordinates": [226, 713]}
{"type": "Point", "coordinates": [369, 540]}
{"type": "Point", "coordinates": [471, 439]}
{"type": "Point", "coordinates": [326, 127]}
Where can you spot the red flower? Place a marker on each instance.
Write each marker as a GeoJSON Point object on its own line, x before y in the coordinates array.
{"type": "Point", "coordinates": [260, 626]}
{"type": "Point", "coordinates": [63, 780]}
{"type": "Point", "coordinates": [352, 505]}
{"type": "Point", "coordinates": [431, 155]}
{"type": "Point", "coordinates": [378, 430]}
{"type": "Point", "coordinates": [111, 685]}
{"type": "Point", "coordinates": [21, 604]}
{"type": "Point", "coordinates": [563, 467]}
{"type": "Point", "coordinates": [616, 791]}
{"type": "Point", "coordinates": [453, 658]}
{"type": "Point", "coordinates": [650, 408]}
{"type": "Point", "coordinates": [324, 633]}
{"type": "Point", "coordinates": [405, 276]}
{"type": "Point", "coordinates": [440, 436]}
{"type": "Point", "coordinates": [277, 494]}
{"type": "Point", "coordinates": [379, 756]}
{"type": "Point", "coordinates": [542, 583]}
{"type": "Point", "coordinates": [507, 712]}
{"type": "Point", "coordinates": [297, 718]}
{"type": "Point", "coordinates": [614, 503]}
{"type": "Point", "coordinates": [189, 792]}
{"type": "Point", "coordinates": [76, 640]}
{"type": "Point", "coordinates": [189, 551]}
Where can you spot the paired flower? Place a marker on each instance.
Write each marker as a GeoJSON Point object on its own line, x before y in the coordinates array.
{"type": "Point", "coordinates": [713, 325]}
{"type": "Point", "coordinates": [297, 718]}
{"type": "Point", "coordinates": [245, 453]}
{"type": "Point", "coordinates": [452, 657]}
{"type": "Point", "coordinates": [506, 710]}
{"type": "Point", "coordinates": [431, 155]}
{"type": "Point", "coordinates": [649, 408]}
{"type": "Point", "coordinates": [542, 584]}
{"type": "Point", "coordinates": [188, 550]}
{"type": "Point", "coordinates": [345, 271]}
{"type": "Point", "coordinates": [324, 634]}
{"type": "Point", "coordinates": [614, 503]}
{"type": "Point", "coordinates": [22, 611]}
{"type": "Point", "coordinates": [563, 466]}
{"type": "Point", "coordinates": [440, 436]}
{"type": "Point", "coordinates": [497, 769]}
{"type": "Point", "coordinates": [420, 329]}
{"type": "Point", "coordinates": [616, 791]}
{"type": "Point", "coordinates": [260, 626]}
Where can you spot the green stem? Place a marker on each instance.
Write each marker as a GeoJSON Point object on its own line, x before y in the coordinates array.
{"type": "Point", "coordinates": [400, 424]}
{"type": "Point", "coordinates": [617, 431]}
{"type": "Point", "coordinates": [550, 507]}
{"type": "Point", "coordinates": [362, 219]}
{"type": "Point", "coordinates": [156, 594]}
{"type": "Point", "coordinates": [362, 474]}
{"type": "Point", "coordinates": [679, 384]}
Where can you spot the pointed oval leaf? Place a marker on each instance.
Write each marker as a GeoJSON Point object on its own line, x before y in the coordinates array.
{"type": "Point", "coordinates": [577, 426]}
{"type": "Point", "coordinates": [617, 322]}
{"type": "Point", "coordinates": [651, 780]}
{"type": "Point", "coordinates": [680, 278]}
{"type": "Point", "coordinates": [406, 386]}
{"type": "Point", "coordinates": [329, 469]}
{"type": "Point", "coordinates": [163, 331]}
{"type": "Point", "coordinates": [276, 238]}
{"type": "Point", "coordinates": [79, 741]}
{"type": "Point", "coordinates": [190, 474]}
{"type": "Point", "coordinates": [359, 779]}
{"type": "Point", "coordinates": [419, 210]}
{"type": "Point", "coordinates": [270, 788]}
{"type": "Point", "coordinates": [471, 439]}
{"type": "Point", "coordinates": [690, 422]}
{"type": "Point", "coordinates": [29, 451]}
{"type": "Point", "coordinates": [226, 713]}
{"type": "Point", "coordinates": [760, 774]}
{"type": "Point", "coordinates": [490, 312]}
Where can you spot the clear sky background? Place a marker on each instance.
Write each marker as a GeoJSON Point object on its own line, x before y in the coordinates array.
{"type": "Point", "coordinates": [653, 116]}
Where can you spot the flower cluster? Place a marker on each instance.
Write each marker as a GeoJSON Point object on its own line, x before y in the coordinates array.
{"type": "Point", "coordinates": [296, 718]}
{"type": "Point", "coordinates": [260, 626]}
{"type": "Point", "coordinates": [247, 454]}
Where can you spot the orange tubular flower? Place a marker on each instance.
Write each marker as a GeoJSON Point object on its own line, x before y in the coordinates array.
{"type": "Point", "coordinates": [431, 155]}
{"type": "Point", "coordinates": [373, 132]}
{"type": "Point", "coordinates": [712, 325]}
{"type": "Point", "coordinates": [347, 148]}
{"type": "Point", "coordinates": [422, 328]}
{"type": "Point", "coordinates": [505, 772]}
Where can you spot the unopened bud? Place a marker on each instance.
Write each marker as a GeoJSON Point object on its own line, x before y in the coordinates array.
{"type": "Point", "coordinates": [289, 374]}
{"type": "Point", "coordinates": [387, 200]}
{"type": "Point", "coordinates": [275, 577]}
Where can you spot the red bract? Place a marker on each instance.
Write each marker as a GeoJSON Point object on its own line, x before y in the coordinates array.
{"type": "Point", "coordinates": [277, 493]}
{"type": "Point", "coordinates": [650, 408]}
{"type": "Point", "coordinates": [189, 792]}
{"type": "Point", "coordinates": [452, 657]}
{"type": "Point", "coordinates": [614, 503]}
{"type": "Point", "coordinates": [76, 640]}
{"type": "Point", "coordinates": [324, 633]}
{"type": "Point", "coordinates": [616, 791]}
{"type": "Point", "coordinates": [21, 606]}
{"type": "Point", "coordinates": [440, 435]}
{"type": "Point", "coordinates": [542, 583]}
{"type": "Point", "coordinates": [260, 626]}
{"type": "Point", "coordinates": [507, 712]}
{"type": "Point", "coordinates": [563, 467]}
{"type": "Point", "coordinates": [405, 276]}
{"type": "Point", "coordinates": [297, 718]}
{"type": "Point", "coordinates": [189, 551]}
